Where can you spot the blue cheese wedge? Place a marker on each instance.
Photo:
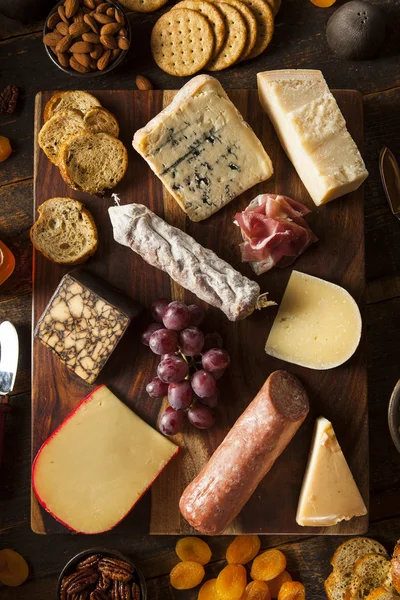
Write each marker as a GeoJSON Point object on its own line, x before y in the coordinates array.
{"type": "Point", "coordinates": [312, 131]}
{"type": "Point", "coordinates": [202, 150]}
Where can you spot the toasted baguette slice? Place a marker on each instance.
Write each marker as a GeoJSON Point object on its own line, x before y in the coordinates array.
{"type": "Point", "coordinates": [381, 593]}
{"type": "Point", "coordinates": [396, 567]}
{"type": "Point", "coordinates": [336, 585]}
{"type": "Point", "coordinates": [370, 572]}
{"type": "Point", "coordinates": [58, 129]}
{"type": "Point", "coordinates": [99, 119]}
{"type": "Point", "coordinates": [93, 162]}
{"type": "Point", "coordinates": [75, 99]}
{"type": "Point", "coordinates": [65, 231]}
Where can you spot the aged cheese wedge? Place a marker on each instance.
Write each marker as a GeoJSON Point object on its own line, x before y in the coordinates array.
{"type": "Point", "coordinates": [202, 150]}
{"type": "Point", "coordinates": [318, 324]}
{"type": "Point", "coordinates": [312, 131]}
{"type": "Point", "coordinates": [100, 461]}
{"type": "Point", "coordinates": [329, 493]}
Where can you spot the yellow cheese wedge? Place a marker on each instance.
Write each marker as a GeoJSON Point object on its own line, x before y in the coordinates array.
{"type": "Point", "coordinates": [318, 324]}
{"type": "Point", "coordinates": [329, 493]}
{"type": "Point", "coordinates": [312, 131]}
{"type": "Point", "coordinates": [98, 463]}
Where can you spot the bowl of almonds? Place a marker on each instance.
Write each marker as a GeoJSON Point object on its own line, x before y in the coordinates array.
{"type": "Point", "coordinates": [87, 37]}
{"type": "Point", "coordinates": [100, 574]}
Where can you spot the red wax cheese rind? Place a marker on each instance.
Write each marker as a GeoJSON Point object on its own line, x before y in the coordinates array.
{"type": "Point", "coordinates": [98, 463]}
{"type": "Point", "coordinates": [217, 495]}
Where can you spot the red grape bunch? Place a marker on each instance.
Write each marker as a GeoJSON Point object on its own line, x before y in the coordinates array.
{"type": "Point", "coordinates": [191, 363]}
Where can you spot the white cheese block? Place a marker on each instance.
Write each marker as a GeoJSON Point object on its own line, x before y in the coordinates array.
{"type": "Point", "coordinates": [98, 463]}
{"type": "Point", "coordinates": [312, 131]}
{"type": "Point", "coordinates": [329, 493]}
{"type": "Point", "coordinates": [318, 324]}
{"type": "Point", "coordinates": [202, 150]}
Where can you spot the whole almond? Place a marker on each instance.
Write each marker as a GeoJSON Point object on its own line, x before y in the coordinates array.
{"type": "Point", "coordinates": [83, 59]}
{"type": "Point", "coordinates": [74, 64]}
{"type": "Point", "coordinates": [103, 7]}
{"type": "Point", "coordinates": [89, 4]}
{"type": "Point", "coordinates": [81, 48]}
{"type": "Point", "coordinates": [61, 12]}
{"type": "Point", "coordinates": [123, 43]}
{"type": "Point", "coordinates": [52, 38]}
{"type": "Point", "coordinates": [71, 7]}
{"type": "Point", "coordinates": [143, 83]}
{"type": "Point", "coordinates": [97, 52]}
{"type": "Point", "coordinates": [123, 32]}
{"type": "Point", "coordinates": [119, 17]}
{"type": "Point", "coordinates": [110, 29]}
{"type": "Point", "coordinates": [109, 42]}
{"type": "Point", "coordinates": [63, 59]}
{"type": "Point", "coordinates": [77, 29]}
{"type": "Point", "coordinates": [110, 12]}
{"type": "Point", "coordinates": [101, 18]}
{"type": "Point", "coordinates": [92, 23]}
{"type": "Point", "coordinates": [115, 53]}
{"type": "Point", "coordinates": [53, 20]}
{"type": "Point", "coordinates": [64, 43]}
{"type": "Point", "coordinates": [93, 64]}
{"type": "Point", "coordinates": [92, 38]}
{"type": "Point", "coordinates": [62, 28]}
{"type": "Point", "coordinates": [104, 61]}
{"type": "Point", "coordinates": [78, 17]}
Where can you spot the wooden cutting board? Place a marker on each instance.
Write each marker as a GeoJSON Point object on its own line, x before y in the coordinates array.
{"type": "Point", "coordinates": [339, 394]}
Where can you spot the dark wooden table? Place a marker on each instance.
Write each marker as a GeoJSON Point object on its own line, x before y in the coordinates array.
{"type": "Point", "coordinates": [299, 41]}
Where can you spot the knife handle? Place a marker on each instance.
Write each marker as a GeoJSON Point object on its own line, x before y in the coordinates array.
{"type": "Point", "coordinates": [4, 409]}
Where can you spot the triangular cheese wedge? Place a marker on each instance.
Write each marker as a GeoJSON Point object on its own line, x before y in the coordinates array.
{"type": "Point", "coordinates": [329, 493]}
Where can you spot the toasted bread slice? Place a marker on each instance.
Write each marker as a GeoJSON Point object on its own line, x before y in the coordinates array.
{"type": "Point", "coordinates": [65, 231]}
{"type": "Point", "coordinates": [75, 99]}
{"type": "Point", "coordinates": [93, 162]}
{"type": "Point", "coordinates": [99, 119]}
{"type": "Point", "coordinates": [370, 572]}
{"type": "Point", "coordinates": [336, 585]}
{"type": "Point", "coordinates": [381, 593]}
{"type": "Point", "coordinates": [396, 567]}
{"type": "Point", "coordinates": [58, 129]}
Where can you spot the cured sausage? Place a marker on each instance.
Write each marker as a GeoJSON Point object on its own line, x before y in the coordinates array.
{"type": "Point", "coordinates": [195, 268]}
{"type": "Point", "coordinates": [219, 492]}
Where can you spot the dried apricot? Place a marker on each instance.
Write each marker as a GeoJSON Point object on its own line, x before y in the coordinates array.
{"type": "Point", "coordinates": [323, 3]}
{"type": "Point", "coordinates": [276, 584]}
{"type": "Point", "coordinates": [231, 582]}
{"type": "Point", "coordinates": [208, 590]}
{"type": "Point", "coordinates": [186, 575]}
{"type": "Point", "coordinates": [13, 568]}
{"type": "Point", "coordinates": [268, 565]}
{"type": "Point", "coordinates": [193, 548]}
{"type": "Point", "coordinates": [292, 590]}
{"type": "Point", "coordinates": [257, 590]}
{"type": "Point", "coordinates": [5, 148]}
{"type": "Point", "coordinates": [243, 549]}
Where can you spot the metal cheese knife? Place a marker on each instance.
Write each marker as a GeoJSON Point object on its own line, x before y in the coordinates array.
{"type": "Point", "coordinates": [9, 349]}
{"type": "Point", "coordinates": [390, 175]}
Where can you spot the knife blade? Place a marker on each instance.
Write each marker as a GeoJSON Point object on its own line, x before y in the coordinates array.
{"type": "Point", "coordinates": [9, 351]}
{"type": "Point", "coordinates": [390, 175]}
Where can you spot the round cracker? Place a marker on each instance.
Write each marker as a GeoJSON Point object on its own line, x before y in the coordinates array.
{"type": "Point", "coordinates": [251, 24]}
{"type": "Point", "coordinates": [265, 25]}
{"type": "Point", "coordinates": [182, 42]}
{"type": "Point", "coordinates": [212, 14]}
{"type": "Point", "coordinates": [235, 40]}
{"type": "Point", "coordinates": [143, 6]}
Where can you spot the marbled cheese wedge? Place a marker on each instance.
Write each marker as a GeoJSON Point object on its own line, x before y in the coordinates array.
{"type": "Point", "coordinates": [99, 462]}
{"type": "Point", "coordinates": [202, 150]}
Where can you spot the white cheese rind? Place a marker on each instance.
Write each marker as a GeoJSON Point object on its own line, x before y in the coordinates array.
{"type": "Point", "coordinates": [202, 150]}
{"type": "Point", "coordinates": [318, 324]}
{"type": "Point", "coordinates": [329, 493]}
{"type": "Point", "coordinates": [312, 131]}
{"type": "Point", "coordinates": [98, 463]}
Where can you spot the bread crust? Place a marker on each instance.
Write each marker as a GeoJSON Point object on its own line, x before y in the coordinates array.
{"type": "Point", "coordinates": [396, 567]}
{"type": "Point", "coordinates": [84, 211]}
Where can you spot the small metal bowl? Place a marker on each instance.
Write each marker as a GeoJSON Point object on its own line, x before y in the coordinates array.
{"type": "Point", "coordinates": [96, 73]}
{"type": "Point", "coordinates": [71, 566]}
{"type": "Point", "coordinates": [394, 415]}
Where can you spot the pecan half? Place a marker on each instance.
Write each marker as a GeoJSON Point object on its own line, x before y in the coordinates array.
{"type": "Point", "coordinates": [90, 562]}
{"type": "Point", "coordinates": [81, 581]}
{"type": "Point", "coordinates": [104, 582]}
{"type": "Point", "coordinates": [135, 591]}
{"type": "Point", "coordinates": [98, 594]}
{"type": "Point", "coordinates": [115, 569]}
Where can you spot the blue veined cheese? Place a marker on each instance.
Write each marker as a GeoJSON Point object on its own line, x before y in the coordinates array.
{"type": "Point", "coordinates": [312, 131]}
{"type": "Point", "coordinates": [202, 150]}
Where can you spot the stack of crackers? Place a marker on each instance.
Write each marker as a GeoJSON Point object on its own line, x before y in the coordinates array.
{"type": "Point", "coordinates": [212, 35]}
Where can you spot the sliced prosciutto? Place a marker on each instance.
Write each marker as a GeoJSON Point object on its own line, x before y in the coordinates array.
{"type": "Point", "coordinates": [274, 232]}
